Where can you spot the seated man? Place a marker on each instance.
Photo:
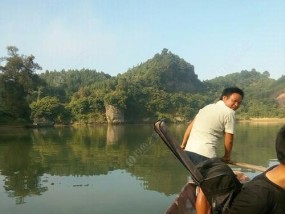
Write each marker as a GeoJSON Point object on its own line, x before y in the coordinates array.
{"type": "Point", "coordinates": [266, 192]}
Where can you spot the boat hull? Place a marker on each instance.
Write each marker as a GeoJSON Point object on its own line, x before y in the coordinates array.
{"type": "Point", "coordinates": [185, 201]}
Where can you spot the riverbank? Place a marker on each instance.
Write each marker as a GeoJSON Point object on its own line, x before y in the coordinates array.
{"type": "Point", "coordinates": [263, 120]}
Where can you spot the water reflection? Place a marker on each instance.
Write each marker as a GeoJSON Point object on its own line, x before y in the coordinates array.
{"type": "Point", "coordinates": [31, 158]}
{"type": "Point", "coordinates": [83, 151]}
{"type": "Point", "coordinates": [21, 173]}
{"type": "Point", "coordinates": [115, 133]}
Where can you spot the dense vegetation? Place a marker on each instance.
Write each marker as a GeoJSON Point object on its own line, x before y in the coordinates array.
{"type": "Point", "coordinates": [164, 86]}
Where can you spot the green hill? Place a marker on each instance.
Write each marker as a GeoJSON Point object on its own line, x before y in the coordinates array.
{"type": "Point", "coordinates": [163, 86]}
{"type": "Point", "coordinates": [165, 71]}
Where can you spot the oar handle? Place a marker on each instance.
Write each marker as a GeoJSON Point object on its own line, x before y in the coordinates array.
{"type": "Point", "coordinates": [248, 166]}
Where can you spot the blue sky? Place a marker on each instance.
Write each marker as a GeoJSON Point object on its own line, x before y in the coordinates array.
{"type": "Point", "coordinates": [217, 37]}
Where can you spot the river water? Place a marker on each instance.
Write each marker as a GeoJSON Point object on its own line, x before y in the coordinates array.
{"type": "Point", "coordinates": [106, 169]}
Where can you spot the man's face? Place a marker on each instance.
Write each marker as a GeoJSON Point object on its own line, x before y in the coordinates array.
{"type": "Point", "coordinates": [233, 101]}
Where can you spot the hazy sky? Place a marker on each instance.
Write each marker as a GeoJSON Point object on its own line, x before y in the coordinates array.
{"type": "Point", "coordinates": [218, 37]}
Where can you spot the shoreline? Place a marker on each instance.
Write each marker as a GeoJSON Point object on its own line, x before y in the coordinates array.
{"type": "Point", "coordinates": [263, 120]}
{"type": "Point", "coordinates": [250, 120]}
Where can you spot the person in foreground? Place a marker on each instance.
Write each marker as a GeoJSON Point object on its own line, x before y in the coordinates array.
{"type": "Point", "coordinates": [212, 123]}
{"type": "Point", "coordinates": [266, 192]}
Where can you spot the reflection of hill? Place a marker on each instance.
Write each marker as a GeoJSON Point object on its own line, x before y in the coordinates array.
{"type": "Point", "coordinates": [160, 170]}
{"type": "Point", "coordinates": [85, 151]}
{"type": "Point", "coordinates": [27, 155]}
{"type": "Point", "coordinates": [22, 175]}
{"type": "Point", "coordinates": [72, 151]}
{"type": "Point", "coordinates": [255, 143]}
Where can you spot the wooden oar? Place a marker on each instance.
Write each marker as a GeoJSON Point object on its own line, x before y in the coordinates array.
{"type": "Point", "coordinates": [248, 166]}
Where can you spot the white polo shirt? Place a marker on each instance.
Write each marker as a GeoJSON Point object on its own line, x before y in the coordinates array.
{"type": "Point", "coordinates": [209, 127]}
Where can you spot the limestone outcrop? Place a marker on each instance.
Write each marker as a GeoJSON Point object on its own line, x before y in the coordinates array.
{"type": "Point", "coordinates": [114, 114]}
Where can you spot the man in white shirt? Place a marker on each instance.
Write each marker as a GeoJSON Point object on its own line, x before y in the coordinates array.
{"type": "Point", "coordinates": [213, 122]}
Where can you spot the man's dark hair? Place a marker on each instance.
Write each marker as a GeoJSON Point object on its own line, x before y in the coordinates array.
{"type": "Point", "coordinates": [280, 145]}
{"type": "Point", "coordinates": [231, 90]}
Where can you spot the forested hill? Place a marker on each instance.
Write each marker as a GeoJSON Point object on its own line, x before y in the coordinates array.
{"type": "Point", "coordinates": [259, 88]}
{"type": "Point", "coordinates": [165, 71]}
{"type": "Point", "coordinates": [163, 86]}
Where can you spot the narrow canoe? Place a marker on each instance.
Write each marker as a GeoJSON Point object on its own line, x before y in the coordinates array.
{"type": "Point", "coordinates": [184, 203]}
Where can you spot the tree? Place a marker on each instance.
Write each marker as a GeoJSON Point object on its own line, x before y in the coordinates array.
{"type": "Point", "coordinates": [116, 98]}
{"type": "Point", "coordinates": [18, 83]}
{"type": "Point", "coordinates": [47, 108]}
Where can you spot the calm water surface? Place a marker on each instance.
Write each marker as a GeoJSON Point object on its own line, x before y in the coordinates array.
{"type": "Point", "coordinates": [105, 169]}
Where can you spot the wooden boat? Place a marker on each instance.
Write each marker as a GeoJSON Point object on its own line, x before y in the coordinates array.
{"type": "Point", "coordinates": [185, 201]}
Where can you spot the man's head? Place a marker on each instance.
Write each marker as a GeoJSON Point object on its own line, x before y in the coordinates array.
{"type": "Point", "coordinates": [232, 97]}
{"type": "Point", "coordinates": [280, 145]}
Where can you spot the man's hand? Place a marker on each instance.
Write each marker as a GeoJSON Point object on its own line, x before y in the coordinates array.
{"type": "Point", "coordinates": [241, 176]}
{"type": "Point", "coordinates": [226, 159]}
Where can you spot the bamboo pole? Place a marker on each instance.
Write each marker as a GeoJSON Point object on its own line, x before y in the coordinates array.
{"type": "Point", "coordinates": [248, 166]}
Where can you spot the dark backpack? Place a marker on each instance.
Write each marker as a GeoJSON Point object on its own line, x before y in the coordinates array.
{"type": "Point", "coordinates": [219, 184]}
{"type": "Point", "coordinates": [216, 179]}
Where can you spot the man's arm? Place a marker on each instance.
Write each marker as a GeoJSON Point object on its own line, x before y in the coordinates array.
{"type": "Point", "coordinates": [228, 143]}
{"type": "Point", "coordinates": [186, 135]}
